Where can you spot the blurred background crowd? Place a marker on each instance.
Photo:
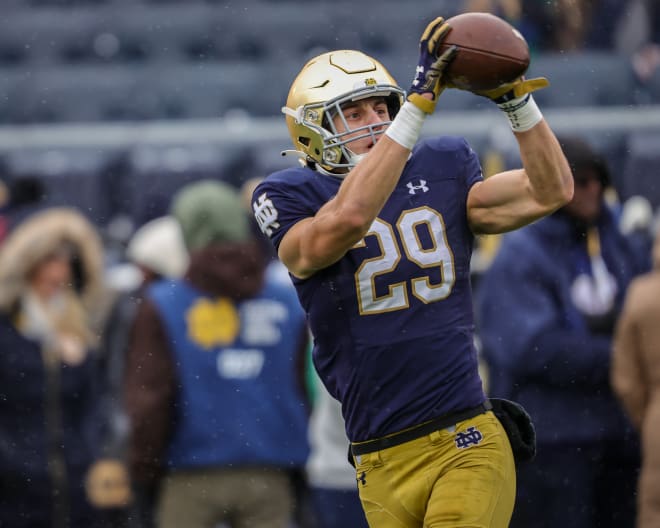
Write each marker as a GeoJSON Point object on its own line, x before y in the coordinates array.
{"type": "Point", "coordinates": [113, 111]}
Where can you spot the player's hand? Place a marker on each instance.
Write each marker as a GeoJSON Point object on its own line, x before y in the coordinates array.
{"type": "Point", "coordinates": [428, 77]}
{"type": "Point", "coordinates": [513, 90]}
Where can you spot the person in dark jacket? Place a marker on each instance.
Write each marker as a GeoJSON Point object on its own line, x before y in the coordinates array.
{"type": "Point", "coordinates": [214, 390]}
{"type": "Point", "coordinates": [546, 309]}
{"type": "Point", "coordinates": [52, 304]}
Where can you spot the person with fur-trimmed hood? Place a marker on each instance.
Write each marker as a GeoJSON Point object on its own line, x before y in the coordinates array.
{"type": "Point", "coordinates": [52, 302]}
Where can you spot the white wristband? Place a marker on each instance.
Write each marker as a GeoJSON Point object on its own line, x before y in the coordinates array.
{"type": "Point", "coordinates": [406, 126]}
{"type": "Point", "coordinates": [522, 112]}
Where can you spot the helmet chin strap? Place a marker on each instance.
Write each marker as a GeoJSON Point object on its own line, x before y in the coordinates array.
{"type": "Point", "coordinates": [351, 157]}
{"type": "Point", "coordinates": [356, 158]}
{"type": "Point", "coordinates": [297, 153]}
{"type": "Point", "coordinates": [326, 172]}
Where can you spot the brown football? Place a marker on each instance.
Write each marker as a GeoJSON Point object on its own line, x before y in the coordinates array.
{"type": "Point", "coordinates": [490, 51]}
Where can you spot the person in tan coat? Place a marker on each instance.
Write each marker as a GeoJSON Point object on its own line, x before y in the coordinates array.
{"type": "Point", "coordinates": [635, 375]}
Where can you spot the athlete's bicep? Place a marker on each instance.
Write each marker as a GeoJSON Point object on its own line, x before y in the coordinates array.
{"type": "Point", "coordinates": [318, 242]}
{"type": "Point", "coordinates": [289, 251]}
{"type": "Point", "coordinates": [501, 203]}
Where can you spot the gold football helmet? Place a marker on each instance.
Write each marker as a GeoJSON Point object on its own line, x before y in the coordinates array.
{"type": "Point", "coordinates": [317, 93]}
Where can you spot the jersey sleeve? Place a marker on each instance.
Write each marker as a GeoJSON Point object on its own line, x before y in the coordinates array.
{"type": "Point", "coordinates": [451, 157]}
{"type": "Point", "coordinates": [473, 172]}
{"type": "Point", "coordinates": [277, 206]}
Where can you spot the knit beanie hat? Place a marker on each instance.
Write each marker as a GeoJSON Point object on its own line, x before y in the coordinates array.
{"type": "Point", "coordinates": [210, 211]}
{"type": "Point", "coordinates": [158, 246]}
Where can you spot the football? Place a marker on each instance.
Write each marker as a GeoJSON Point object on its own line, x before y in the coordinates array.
{"type": "Point", "coordinates": [491, 51]}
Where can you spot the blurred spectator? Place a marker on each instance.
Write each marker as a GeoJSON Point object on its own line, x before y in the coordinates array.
{"type": "Point", "coordinates": [559, 25]}
{"type": "Point", "coordinates": [509, 10]}
{"type": "Point", "coordinates": [157, 251]}
{"type": "Point", "coordinates": [215, 399]}
{"type": "Point", "coordinates": [636, 381]}
{"type": "Point", "coordinates": [4, 201]}
{"type": "Point", "coordinates": [636, 222]}
{"type": "Point", "coordinates": [547, 306]}
{"type": "Point", "coordinates": [331, 477]}
{"type": "Point", "coordinates": [52, 304]}
{"type": "Point", "coordinates": [639, 38]}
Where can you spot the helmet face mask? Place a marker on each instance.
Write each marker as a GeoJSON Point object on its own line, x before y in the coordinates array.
{"type": "Point", "coordinates": [317, 95]}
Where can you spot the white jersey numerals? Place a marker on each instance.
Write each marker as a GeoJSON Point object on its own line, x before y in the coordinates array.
{"type": "Point", "coordinates": [439, 255]}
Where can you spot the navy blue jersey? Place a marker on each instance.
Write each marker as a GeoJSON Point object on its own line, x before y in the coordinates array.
{"type": "Point", "coordinates": [392, 320]}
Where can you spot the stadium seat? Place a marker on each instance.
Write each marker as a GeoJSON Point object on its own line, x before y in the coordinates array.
{"type": "Point", "coordinates": [283, 31]}
{"type": "Point", "coordinates": [153, 173]}
{"type": "Point", "coordinates": [48, 35]}
{"type": "Point", "coordinates": [13, 81]}
{"type": "Point", "coordinates": [73, 177]}
{"type": "Point", "coordinates": [584, 78]}
{"type": "Point", "coordinates": [65, 3]}
{"type": "Point", "coordinates": [76, 94]}
{"type": "Point", "coordinates": [641, 173]}
{"type": "Point", "coordinates": [653, 87]}
{"type": "Point", "coordinates": [380, 31]}
{"type": "Point", "coordinates": [213, 90]}
{"type": "Point", "coordinates": [172, 32]}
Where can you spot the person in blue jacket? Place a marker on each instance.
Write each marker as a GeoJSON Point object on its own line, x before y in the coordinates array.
{"type": "Point", "coordinates": [214, 386]}
{"type": "Point", "coordinates": [546, 310]}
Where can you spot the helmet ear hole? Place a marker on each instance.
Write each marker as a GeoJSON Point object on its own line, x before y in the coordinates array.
{"type": "Point", "coordinates": [393, 102]}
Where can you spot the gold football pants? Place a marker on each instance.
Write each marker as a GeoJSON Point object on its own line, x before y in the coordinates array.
{"type": "Point", "coordinates": [459, 477]}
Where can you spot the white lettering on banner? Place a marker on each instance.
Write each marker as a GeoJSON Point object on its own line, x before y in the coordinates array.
{"type": "Point", "coordinates": [240, 363]}
{"type": "Point", "coordinates": [261, 319]}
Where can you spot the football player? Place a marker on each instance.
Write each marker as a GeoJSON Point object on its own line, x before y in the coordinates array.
{"type": "Point", "coordinates": [376, 230]}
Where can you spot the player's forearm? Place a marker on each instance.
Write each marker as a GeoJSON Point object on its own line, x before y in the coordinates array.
{"type": "Point", "coordinates": [366, 189]}
{"type": "Point", "coordinates": [548, 171]}
{"type": "Point", "coordinates": [369, 185]}
{"type": "Point", "coordinates": [319, 242]}
{"type": "Point", "coordinates": [346, 219]}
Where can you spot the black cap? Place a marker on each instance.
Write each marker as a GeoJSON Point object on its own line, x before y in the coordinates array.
{"type": "Point", "coordinates": [582, 156]}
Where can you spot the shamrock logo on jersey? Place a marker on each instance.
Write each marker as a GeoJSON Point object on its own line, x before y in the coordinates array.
{"type": "Point", "coordinates": [213, 323]}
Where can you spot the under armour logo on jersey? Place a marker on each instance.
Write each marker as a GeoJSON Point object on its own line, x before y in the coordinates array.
{"type": "Point", "coordinates": [469, 438]}
{"type": "Point", "coordinates": [266, 214]}
{"type": "Point", "coordinates": [362, 478]}
{"type": "Point", "coordinates": [412, 189]}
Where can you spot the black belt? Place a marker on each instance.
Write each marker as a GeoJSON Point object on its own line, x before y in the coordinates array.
{"type": "Point", "coordinates": [442, 422]}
